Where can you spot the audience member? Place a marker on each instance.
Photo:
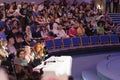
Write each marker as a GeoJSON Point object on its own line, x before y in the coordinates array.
{"type": "Point", "coordinates": [28, 32]}
{"type": "Point", "coordinates": [61, 33]}
{"type": "Point", "coordinates": [19, 42]}
{"type": "Point", "coordinates": [11, 47]}
{"type": "Point", "coordinates": [80, 30]}
{"type": "Point", "coordinates": [72, 31]}
{"type": "Point", "coordinates": [29, 56]}
{"type": "Point", "coordinates": [89, 30]}
{"type": "Point", "coordinates": [37, 33]}
{"type": "Point", "coordinates": [100, 29]}
{"type": "Point", "coordinates": [44, 32]}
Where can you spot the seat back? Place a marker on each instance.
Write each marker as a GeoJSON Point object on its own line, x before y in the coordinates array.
{"type": "Point", "coordinates": [67, 42]}
{"type": "Point", "coordinates": [104, 39]}
{"type": "Point", "coordinates": [76, 41]}
{"type": "Point", "coordinates": [49, 44]}
{"type": "Point", "coordinates": [58, 43]}
{"type": "Point", "coordinates": [94, 40]}
{"type": "Point", "coordinates": [32, 43]}
{"type": "Point", "coordinates": [85, 40]}
{"type": "Point", "coordinates": [114, 39]}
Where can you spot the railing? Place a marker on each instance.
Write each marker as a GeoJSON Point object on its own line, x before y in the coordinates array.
{"type": "Point", "coordinates": [82, 42]}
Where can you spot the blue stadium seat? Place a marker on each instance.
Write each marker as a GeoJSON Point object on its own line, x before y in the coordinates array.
{"type": "Point", "coordinates": [66, 42]}
{"type": "Point", "coordinates": [94, 40]}
{"type": "Point", "coordinates": [32, 43]}
{"type": "Point", "coordinates": [104, 39]}
{"type": "Point", "coordinates": [114, 39]}
{"type": "Point", "coordinates": [57, 43]}
{"type": "Point", "coordinates": [85, 40]}
{"type": "Point", "coordinates": [49, 44]}
{"type": "Point", "coordinates": [76, 41]}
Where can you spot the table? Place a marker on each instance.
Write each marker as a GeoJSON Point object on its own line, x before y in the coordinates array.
{"type": "Point", "coordinates": [60, 65]}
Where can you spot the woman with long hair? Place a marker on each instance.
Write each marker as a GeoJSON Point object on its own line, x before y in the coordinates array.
{"type": "Point", "coordinates": [39, 50]}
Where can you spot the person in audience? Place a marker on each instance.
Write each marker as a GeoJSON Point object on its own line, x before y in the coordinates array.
{"type": "Point", "coordinates": [76, 23]}
{"type": "Point", "coordinates": [10, 11]}
{"type": "Point", "coordinates": [20, 61]}
{"type": "Point", "coordinates": [88, 17]}
{"type": "Point", "coordinates": [116, 29]}
{"type": "Point", "coordinates": [89, 31]}
{"type": "Point", "coordinates": [44, 32]}
{"type": "Point", "coordinates": [72, 31]}
{"type": "Point", "coordinates": [81, 9]}
{"type": "Point", "coordinates": [66, 26]}
{"type": "Point", "coordinates": [23, 70]}
{"type": "Point", "coordinates": [7, 26]}
{"type": "Point", "coordinates": [28, 32]}
{"type": "Point", "coordinates": [23, 15]}
{"type": "Point", "coordinates": [87, 8]}
{"type": "Point", "coordinates": [27, 40]}
{"type": "Point", "coordinates": [39, 20]}
{"type": "Point", "coordinates": [3, 51]}
{"type": "Point", "coordinates": [110, 22]}
{"type": "Point", "coordinates": [14, 31]}
{"type": "Point", "coordinates": [80, 30]}
{"type": "Point", "coordinates": [19, 31]}
{"type": "Point", "coordinates": [61, 33]}
{"type": "Point", "coordinates": [11, 47]}
{"type": "Point", "coordinates": [55, 26]}
{"type": "Point", "coordinates": [39, 50]}
{"type": "Point", "coordinates": [102, 20]}
{"type": "Point", "coordinates": [50, 36]}
{"type": "Point", "coordinates": [15, 23]}
{"type": "Point", "coordinates": [81, 18]}
{"type": "Point", "coordinates": [107, 29]}
{"type": "Point", "coordinates": [19, 42]}
{"type": "Point", "coordinates": [29, 56]}
{"type": "Point", "coordinates": [94, 26]}
{"type": "Point", "coordinates": [106, 16]}
{"type": "Point", "coordinates": [100, 29]}
{"type": "Point", "coordinates": [37, 33]}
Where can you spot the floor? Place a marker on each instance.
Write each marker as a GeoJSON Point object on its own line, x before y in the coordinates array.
{"type": "Point", "coordinates": [88, 62]}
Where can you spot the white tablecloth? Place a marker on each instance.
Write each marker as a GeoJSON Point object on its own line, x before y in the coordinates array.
{"type": "Point", "coordinates": [59, 65]}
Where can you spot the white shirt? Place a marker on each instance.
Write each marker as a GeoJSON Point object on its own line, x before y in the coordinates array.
{"type": "Point", "coordinates": [41, 7]}
{"type": "Point", "coordinates": [61, 34]}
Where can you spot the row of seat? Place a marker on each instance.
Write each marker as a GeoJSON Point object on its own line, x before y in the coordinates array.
{"type": "Point", "coordinates": [81, 42]}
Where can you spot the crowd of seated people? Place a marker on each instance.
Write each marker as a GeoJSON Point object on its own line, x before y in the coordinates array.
{"type": "Point", "coordinates": [27, 23]}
